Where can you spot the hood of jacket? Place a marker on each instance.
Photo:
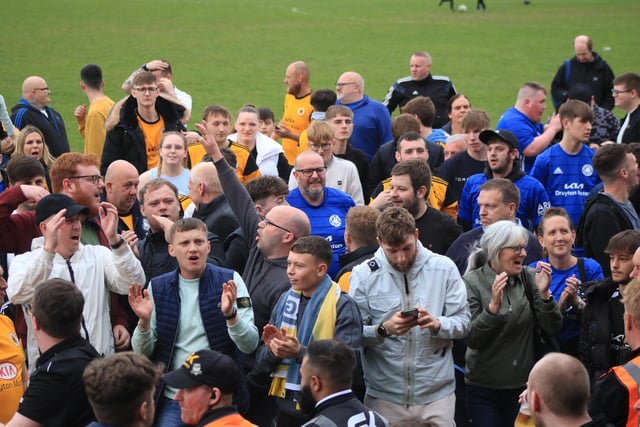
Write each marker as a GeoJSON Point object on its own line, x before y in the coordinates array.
{"type": "Point", "coordinates": [123, 112]}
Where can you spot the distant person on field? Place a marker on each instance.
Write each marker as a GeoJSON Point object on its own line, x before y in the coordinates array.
{"type": "Point", "coordinates": [585, 67]}
{"type": "Point", "coordinates": [33, 109]}
{"type": "Point", "coordinates": [161, 68]}
{"type": "Point", "coordinates": [422, 83]}
{"type": "Point", "coordinates": [91, 120]}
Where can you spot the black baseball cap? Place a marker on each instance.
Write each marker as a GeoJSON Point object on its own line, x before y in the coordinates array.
{"type": "Point", "coordinates": [501, 134]}
{"type": "Point", "coordinates": [54, 203]}
{"type": "Point", "coordinates": [206, 367]}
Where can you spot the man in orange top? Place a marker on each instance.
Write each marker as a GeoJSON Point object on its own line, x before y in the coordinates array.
{"type": "Point", "coordinates": [297, 109]}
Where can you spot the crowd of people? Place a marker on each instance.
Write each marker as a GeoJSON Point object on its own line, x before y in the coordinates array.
{"type": "Point", "coordinates": [335, 266]}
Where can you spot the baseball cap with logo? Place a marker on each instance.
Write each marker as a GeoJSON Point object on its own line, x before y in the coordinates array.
{"type": "Point", "coordinates": [206, 367]}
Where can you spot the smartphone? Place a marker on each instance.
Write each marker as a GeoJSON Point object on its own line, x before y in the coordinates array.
{"type": "Point", "coordinates": [409, 313]}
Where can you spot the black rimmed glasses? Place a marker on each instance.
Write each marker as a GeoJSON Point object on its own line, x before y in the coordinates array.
{"type": "Point", "coordinates": [517, 249]}
{"type": "Point", "coordinates": [95, 179]}
{"type": "Point", "coordinates": [309, 172]}
{"type": "Point", "coordinates": [267, 221]}
{"type": "Point", "coordinates": [615, 92]}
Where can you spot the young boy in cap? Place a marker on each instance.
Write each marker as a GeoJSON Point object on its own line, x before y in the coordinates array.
{"type": "Point", "coordinates": [206, 382]}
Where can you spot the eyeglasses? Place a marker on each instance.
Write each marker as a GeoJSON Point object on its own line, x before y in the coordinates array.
{"type": "Point", "coordinates": [320, 146]}
{"type": "Point", "coordinates": [95, 179]}
{"type": "Point", "coordinates": [309, 172]}
{"type": "Point", "coordinates": [517, 249]}
{"type": "Point", "coordinates": [267, 221]}
{"type": "Point", "coordinates": [149, 89]}
{"type": "Point", "coordinates": [45, 89]}
{"type": "Point", "coordinates": [340, 85]}
{"type": "Point", "coordinates": [615, 92]}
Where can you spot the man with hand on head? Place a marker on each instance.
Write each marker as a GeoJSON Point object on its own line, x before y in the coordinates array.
{"type": "Point", "coordinates": [94, 269]}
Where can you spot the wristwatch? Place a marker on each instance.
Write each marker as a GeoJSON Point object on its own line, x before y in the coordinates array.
{"type": "Point", "coordinates": [382, 331]}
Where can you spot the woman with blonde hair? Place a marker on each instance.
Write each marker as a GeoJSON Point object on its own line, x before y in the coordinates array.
{"type": "Point", "coordinates": [31, 143]}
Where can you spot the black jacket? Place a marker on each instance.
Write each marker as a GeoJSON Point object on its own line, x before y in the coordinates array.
{"type": "Point", "coordinates": [600, 220]}
{"type": "Point", "coordinates": [218, 216]}
{"type": "Point", "coordinates": [601, 320]}
{"type": "Point", "coordinates": [52, 126]}
{"type": "Point", "coordinates": [345, 410]}
{"type": "Point", "coordinates": [632, 132]}
{"type": "Point", "coordinates": [125, 139]}
{"type": "Point", "coordinates": [349, 260]}
{"type": "Point", "coordinates": [596, 74]}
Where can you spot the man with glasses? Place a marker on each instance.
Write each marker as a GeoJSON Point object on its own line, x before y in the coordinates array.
{"type": "Point", "coordinates": [626, 93]}
{"type": "Point", "coordinates": [33, 109]}
{"type": "Point", "coordinates": [341, 174]}
{"type": "Point", "coordinates": [371, 120]}
{"type": "Point", "coordinates": [325, 206]}
{"type": "Point", "coordinates": [135, 125]}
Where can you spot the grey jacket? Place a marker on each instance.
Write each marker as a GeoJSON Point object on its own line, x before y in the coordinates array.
{"type": "Point", "coordinates": [416, 368]}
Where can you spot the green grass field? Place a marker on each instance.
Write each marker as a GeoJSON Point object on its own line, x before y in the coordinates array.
{"type": "Point", "coordinates": [235, 51]}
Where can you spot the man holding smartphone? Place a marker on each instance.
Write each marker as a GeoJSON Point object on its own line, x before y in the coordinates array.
{"type": "Point", "coordinates": [413, 303]}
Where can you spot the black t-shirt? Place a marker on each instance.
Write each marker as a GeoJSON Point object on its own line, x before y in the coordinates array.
{"type": "Point", "coordinates": [56, 396]}
{"type": "Point", "coordinates": [457, 169]}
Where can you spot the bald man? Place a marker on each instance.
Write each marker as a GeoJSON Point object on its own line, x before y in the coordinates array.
{"type": "Point", "coordinates": [121, 189]}
{"type": "Point", "coordinates": [212, 206]}
{"type": "Point", "coordinates": [297, 109]}
{"type": "Point", "coordinates": [33, 109]}
{"type": "Point", "coordinates": [558, 392]}
{"type": "Point", "coordinates": [585, 67]}
{"type": "Point", "coordinates": [371, 119]}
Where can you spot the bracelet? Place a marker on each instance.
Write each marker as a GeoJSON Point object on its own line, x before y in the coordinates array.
{"type": "Point", "coordinates": [144, 67]}
{"type": "Point", "coordinates": [117, 245]}
{"type": "Point", "coordinates": [233, 314]}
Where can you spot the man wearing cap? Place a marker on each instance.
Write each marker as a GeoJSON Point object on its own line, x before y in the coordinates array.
{"type": "Point", "coordinates": [94, 269]}
{"type": "Point", "coordinates": [502, 153]}
{"type": "Point", "coordinates": [206, 383]}
{"type": "Point", "coordinates": [566, 169]}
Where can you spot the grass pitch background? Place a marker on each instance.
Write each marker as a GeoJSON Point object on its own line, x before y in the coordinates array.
{"type": "Point", "coordinates": [235, 51]}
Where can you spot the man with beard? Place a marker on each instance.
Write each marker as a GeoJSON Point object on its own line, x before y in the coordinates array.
{"type": "Point", "coordinates": [297, 109]}
{"type": "Point", "coordinates": [502, 152]}
{"type": "Point", "coordinates": [417, 297]}
{"type": "Point", "coordinates": [326, 207]}
{"type": "Point", "coordinates": [410, 183]}
{"type": "Point", "coordinates": [326, 373]}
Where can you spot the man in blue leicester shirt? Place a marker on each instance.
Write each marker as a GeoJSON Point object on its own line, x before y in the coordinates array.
{"type": "Point", "coordinates": [326, 207]}
{"type": "Point", "coordinates": [524, 120]}
{"type": "Point", "coordinates": [566, 169]}
{"type": "Point", "coordinates": [502, 153]}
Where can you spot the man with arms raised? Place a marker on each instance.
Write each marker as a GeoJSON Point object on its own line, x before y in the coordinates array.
{"type": "Point", "coordinates": [196, 306]}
